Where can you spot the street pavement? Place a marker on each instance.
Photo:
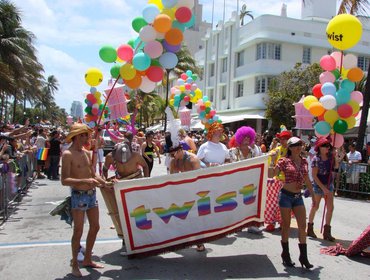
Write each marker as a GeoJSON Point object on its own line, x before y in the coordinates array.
{"type": "Point", "coordinates": [35, 245]}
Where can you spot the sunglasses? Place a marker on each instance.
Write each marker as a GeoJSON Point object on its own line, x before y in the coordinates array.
{"type": "Point", "coordinates": [326, 146]}
{"type": "Point", "coordinates": [299, 144]}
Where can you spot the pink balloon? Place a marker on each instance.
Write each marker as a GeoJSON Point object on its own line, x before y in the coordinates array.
{"type": "Point", "coordinates": [154, 49]}
{"type": "Point", "coordinates": [345, 111]}
{"type": "Point", "coordinates": [338, 58]}
{"type": "Point", "coordinates": [321, 135]}
{"type": "Point", "coordinates": [155, 73]}
{"type": "Point", "coordinates": [187, 86]}
{"type": "Point", "coordinates": [328, 63]}
{"type": "Point", "coordinates": [184, 76]}
{"type": "Point", "coordinates": [125, 52]}
{"type": "Point", "coordinates": [357, 96]}
{"type": "Point", "coordinates": [338, 140]}
{"type": "Point", "coordinates": [186, 98]}
{"type": "Point", "coordinates": [327, 77]}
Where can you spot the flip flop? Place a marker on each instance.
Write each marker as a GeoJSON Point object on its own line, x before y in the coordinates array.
{"type": "Point", "coordinates": [93, 265]}
{"type": "Point", "coordinates": [200, 248]}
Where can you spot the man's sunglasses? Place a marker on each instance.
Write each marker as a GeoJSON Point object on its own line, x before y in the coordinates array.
{"type": "Point", "coordinates": [326, 146]}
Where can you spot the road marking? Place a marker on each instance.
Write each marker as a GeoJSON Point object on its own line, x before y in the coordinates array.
{"type": "Point", "coordinates": [52, 243]}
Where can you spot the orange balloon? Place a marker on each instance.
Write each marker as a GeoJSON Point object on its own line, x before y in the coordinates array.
{"type": "Point", "coordinates": [355, 74]}
{"type": "Point", "coordinates": [316, 109]}
{"type": "Point", "coordinates": [141, 73]}
{"type": "Point", "coordinates": [174, 36]}
{"type": "Point", "coordinates": [162, 23]}
{"type": "Point", "coordinates": [134, 83]}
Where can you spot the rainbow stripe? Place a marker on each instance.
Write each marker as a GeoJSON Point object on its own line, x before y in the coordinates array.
{"type": "Point", "coordinates": [42, 154]}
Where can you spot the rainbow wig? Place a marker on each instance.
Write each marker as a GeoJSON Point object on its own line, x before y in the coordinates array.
{"type": "Point", "coordinates": [245, 131]}
{"type": "Point", "coordinates": [213, 127]}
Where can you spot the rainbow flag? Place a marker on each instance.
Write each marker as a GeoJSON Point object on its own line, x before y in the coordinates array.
{"type": "Point", "coordinates": [42, 153]}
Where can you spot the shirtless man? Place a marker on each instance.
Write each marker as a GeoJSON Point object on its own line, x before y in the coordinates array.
{"type": "Point", "coordinates": [182, 161]}
{"type": "Point", "coordinates": [78, 173]}
{"type": "Point", "coordinates": [127, 166]}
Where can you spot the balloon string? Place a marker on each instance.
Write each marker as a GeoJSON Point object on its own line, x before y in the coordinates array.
{"type": "Point", "coordinates": [341, 62]}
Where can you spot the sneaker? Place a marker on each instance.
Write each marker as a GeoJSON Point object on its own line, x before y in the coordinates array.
{"type": "Point", "coordinates": [80, 257]}
{"type": "Point", "coordinates": [123, 250]}
{"type": "Point", "coordinates": [270, 228]}
{"type": "Point", "coordinates": [41, 177]}
{"type": "Point", "coordinates": [82, 249]}
{"type": "Point", "coordinates": [255, 230]}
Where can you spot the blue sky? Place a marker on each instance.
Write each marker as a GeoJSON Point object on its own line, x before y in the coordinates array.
{"type": "Point", "coordinates": [70, 33]}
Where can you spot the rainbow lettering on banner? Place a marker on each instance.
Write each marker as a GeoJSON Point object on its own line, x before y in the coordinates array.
{"type": "Point", "coordinates": [248, 194]}
{"type": "Point", "coordinates": [140, 218]}
{"type": "Point", "coordinates": [226, 201]}
{"type": "Point", "coordinates": [174, 210]}
{"type": "Point", "coordinates": [204, 204]}
{"type": "Point", "coordinates": [42, 153]}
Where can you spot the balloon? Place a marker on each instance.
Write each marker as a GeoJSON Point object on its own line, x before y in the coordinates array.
{"type": "Point", "coordinates": [338, 140]}
{"type": "Point", "coordinates": [316, 109]}
{"type": "Point", "coordinates": [168, 60]}
{"type": "Point", "coordinates": [108, 54]}
{"type": "Point", "coordinates": [336, 73]}
{"type": "Point", "coordinates": [190, 23]}
{"type": "Point", "coordinates": [148, 33]}
{"type": "Point", "coordinates": [155, 73]}
{"type": "Point", "coordinates": [316, 90]}
{"type": "Point", "coordinates": [328, 63]}
{"type": "Point", "coordinates": [328, 89]}
{"type": "Point", "coordinates": [357, 96]}
{"type": "Point", "coordinates": [93, 89]}
{"type": "Point", "coordinates": [174, 36]}
{"type": "Point", "coordinates": [337, 57]}
{"type": "Point", "coordinates": [171, 48]}
{"type": "Point", "coordinates": [183, 14]}
{"type": "Point", "coordinates": [93, 77]}
{"type": "Point", "coordinates": [154, 49]}
{"type": "Point", "coordinates": [319, 135]}
{"type": "Point", "coordinates": [127, 71]}
{"type": "Point", "coordinates": [328, 102]}
{"type": "Point", "coordinates": [322, 127]}
{"type": "Point", "coordinates": [348, 85]}
{"type": "Point", "coordinates": [345, 111]}
{"type": "Point", "coordinates": [344, 31]}
{"type": "Point", "coordinates": [147, 85]}
{"type": "Point", "coordinates": [327, 77]}
{"type": "Point", "coordinates": [340, 126]}
{"type": "Point", "coordinates": [158, 3]}
{"type": "Point", "coordinates": [349, 61]}
{"type": "Point", "coordinates": [162, 23]}
{"type": "Point", "coordinates": [178, 25]}
{"type": "Point", "coordinates": [355, 106]}
{"type": "Point", "coordinates": [114, 71]}
{"type": "Point", "coordinates": [186, 3]}
{"type": "Point", "coordinates": [125, 52]}
{"type": "Point", "coordinates": [134, 83]}
{"type": "Point", "coordinates": [342, 96]}
{"type": "Point", "coordinates": [308, 100]}
{"type": "Point", "coordinates": [355, 74]}
{"type": "Point", "coordinates": [169, 3]}
{"type": "Point", "coordinates": [170, 12]}
{"type": "Point", "coordinates": [344, 73]}
{"type": "Point", "coordinates": [141, 61]}
{"type": "Point", "coordinates": [331, 116]}
{"type": "Point", "coordinates": [138, 23]}
{"type": "Point", "coordinates": [351, 122]}
{"type": "Point", "coordinates": [150, 11]}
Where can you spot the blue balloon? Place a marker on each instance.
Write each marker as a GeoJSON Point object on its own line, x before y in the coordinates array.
{"type": "Point", "coordinates": [178, 25]}
{"type": "Point", "coordinates": [189, 73]}
{"type": "Point", "coordinates": [190, 23]}
{"type": "Point", "coordinates": [202, 115]}
{"type": "Point", "coordinates": [180, 82]}
{"type": "Point", "coordinates": [342, 96]}
{"type": "Point", "coordinates": [93, 90]}
{"type": "Point", "coordinates": [328, 89]}
{"type": "Point", "coordinates": [141, 61]}
{"type": "Point", "coordinates": [169, 3]}
{"type": "Point", "coordinates": [348, 85]}
{"type": "Point", "coordinates": [322, 127]}
{"type": "Point", "coordinates": [150, 11]}
{"type": "Point", "coordinates": [168, 60]}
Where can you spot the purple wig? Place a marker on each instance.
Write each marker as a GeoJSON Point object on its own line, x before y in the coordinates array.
{"type": "Point", "coordinates": [245, 131]}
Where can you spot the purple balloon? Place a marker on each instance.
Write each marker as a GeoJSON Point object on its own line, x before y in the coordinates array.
{"type": "Point", "coordinates": [171, 48]}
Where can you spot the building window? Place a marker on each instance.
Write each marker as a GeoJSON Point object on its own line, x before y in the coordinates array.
{"type": "Point", "coordinates": [212, 70]}
{"type": "Point", "coordinates": [261, 84]}
{"type": "Point", "coordinates": [240, 59]}
{"type": "Point", "coordinates": [306, 57]}
{"type": "Point", "coordinates": [223, 93]}
{"type": "Point", "coordinates": [268, 51]}
{"type": "Point", "coordinates": [224, 65]}
{"type": "Point", "coordinates": [363, 63]}
{"type": "Point", "coordinates": [239, 89]}
{"type": "Point", "coordinates": [210, 95]}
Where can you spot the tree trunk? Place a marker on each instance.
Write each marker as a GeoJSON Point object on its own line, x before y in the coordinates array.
{"type": "Point", "coordinates": [364, 114]}
{"type": "Point", "coordinates": [14, 108]}
{"type": "Point", "coordinates": [167, 90]}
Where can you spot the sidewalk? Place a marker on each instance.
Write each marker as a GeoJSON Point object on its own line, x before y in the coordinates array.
{"type": "Point", "coordinates": [35, 245]}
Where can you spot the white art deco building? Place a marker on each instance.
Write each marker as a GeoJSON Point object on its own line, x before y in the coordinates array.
{"type": "Point", "coordinates": [238, 61]}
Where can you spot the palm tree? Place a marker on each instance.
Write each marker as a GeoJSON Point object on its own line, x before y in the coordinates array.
{"type": "Point", "coordinates": [244, 13]}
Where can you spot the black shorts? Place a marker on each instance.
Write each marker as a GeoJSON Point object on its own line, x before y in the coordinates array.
{"type": "Point", "coordinates": [40, 162]}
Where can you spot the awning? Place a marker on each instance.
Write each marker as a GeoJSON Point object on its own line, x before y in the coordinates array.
{"type": "Point", "coordinates": [242, 116]}
{"type": "Point", "coordinates": [196, 124]}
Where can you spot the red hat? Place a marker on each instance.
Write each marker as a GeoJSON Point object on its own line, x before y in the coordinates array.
{"type": "Point", "coordinates": [321, 141]}
{"type": "Point", "coordinates": [284, 133]}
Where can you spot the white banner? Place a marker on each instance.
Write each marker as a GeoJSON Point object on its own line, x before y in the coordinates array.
{"type": "Point", "coordinates": [169, 212]}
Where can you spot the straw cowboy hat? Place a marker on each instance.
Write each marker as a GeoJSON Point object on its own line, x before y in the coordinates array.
{"type": "Point", "coordinates": [77, 129]}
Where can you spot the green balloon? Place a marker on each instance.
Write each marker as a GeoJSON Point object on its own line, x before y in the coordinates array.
{"type": "Point", "coordinates": [340, 126]}
{"type": "Point", "coordinates": [194, 77]}
{"type": "Point", "coordinates": [336, 73]}
{"type": "Point", "coordinates": [88, 110]}
{"type": "Point", "coordinates": [155, 62]}
{"type": "Point", "coordinates": [114, 71]}
{"type": "Point", "coordinates": [138, 23]}
{"type": "Point", "coordinates": [131, 42]}
{"type": "Point", "coordinates": [207, 110]}
{"type": "Point", "coordinates": [108, 54]}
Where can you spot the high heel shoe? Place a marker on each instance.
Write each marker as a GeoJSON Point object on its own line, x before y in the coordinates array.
{"type": "Point", "coordinates": [303, 256]}
{"type": "Point", "coordinates": [287, 261]}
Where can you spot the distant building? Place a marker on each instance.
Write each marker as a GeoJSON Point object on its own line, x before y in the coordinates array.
{"type": "Point", "coordinates": [77, 110]}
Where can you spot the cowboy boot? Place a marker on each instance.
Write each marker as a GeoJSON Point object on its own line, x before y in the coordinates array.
{"type": "Point", "coordinates": [327, 233]}
{"type": "Point", "coordinates": [285, 254]}
{"type": "Point", "coordinates": [310, 231]}
{"type": "Point", "coordinates": [303, 256]}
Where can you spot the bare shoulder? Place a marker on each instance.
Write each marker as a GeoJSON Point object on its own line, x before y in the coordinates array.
{"type": "Point", "coordinates": [67, 153]}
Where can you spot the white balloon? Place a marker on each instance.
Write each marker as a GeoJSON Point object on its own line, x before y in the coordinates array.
{"type": "Point", "coordinates": [349, 61]}
{"type": "Point", "coordinates": [147, 85]}
{"type": "Point", "coordinates": [186, 3]}
{"type": "Point", "coordinates": [148, 33]}
{"type": "Point", "coordinates": [338, 57]}
{"type": "Point", "coordinates": [328, 102]}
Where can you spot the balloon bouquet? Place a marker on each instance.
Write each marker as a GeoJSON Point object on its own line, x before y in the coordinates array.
{"type": "Point", "coordinates": [186, 91]}
{"type": "Point", "coordinates": [94, 108]}
{"type": "Point", "coordinates": [334, 102]}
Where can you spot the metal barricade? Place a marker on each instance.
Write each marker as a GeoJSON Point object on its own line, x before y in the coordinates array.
{"type": "Point", "coordinates": [347, 171]}
{"type": "Point", "coordinates": [16, 177]}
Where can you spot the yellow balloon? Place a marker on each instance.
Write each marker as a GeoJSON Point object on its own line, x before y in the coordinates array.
{"type": "Point", "coordinates": [308, 100]}
{"type": "Point", "coordinates": [158, 3]}
{"type": "Point", "coordinates": [119, 60]}
{"type": "Point", "coordinates": [198, 93]}
{"type": "Point", "coordinates": [208, 103]}
{"type": "Point", "coordinates": [331, 116]}
{"type": "Point", "coordinates": [351, 122]}
{"type": "Point", "coordinates": [93, 77]}
{"type": "Point", "coordinates": [344, 31]}
{"type": "Point", "coordinates": [172, 101]}
{"type": "Point", "coordinates": [182, 88]}
{"type": "Point", "coordinates": [344, 73]}
{"type": "Point", "coordinates": [127, 71]}
{"type": "Point", "coordinates": [355, 106]}
{"type": "Point", "coordinates": [170, 12]}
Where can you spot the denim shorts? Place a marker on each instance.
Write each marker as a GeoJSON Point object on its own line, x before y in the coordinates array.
{"type": "Point", "coordinates": [290, 200]}
{"type": "Point", "coordinates": [83, 200]}
{"type": "Point", "coordinates": [318, 191]}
